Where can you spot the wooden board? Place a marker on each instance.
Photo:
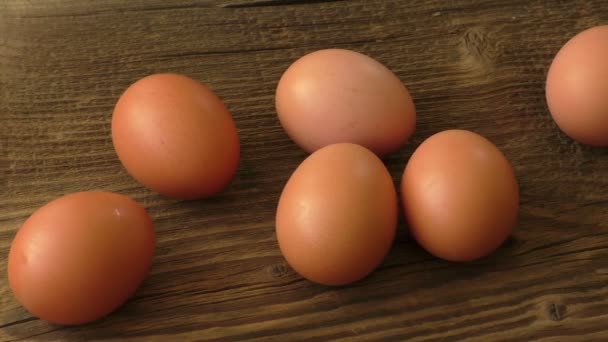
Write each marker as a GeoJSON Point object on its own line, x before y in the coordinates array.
{"type": "Point", "coordinates": [218, 274]}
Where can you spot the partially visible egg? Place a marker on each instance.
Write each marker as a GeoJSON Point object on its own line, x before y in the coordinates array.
{"type": "Point", "coordinates": [460, 196]}
{"type": "Point", "coordinates": [577, 87]}
{"type": "Point", "coordinates": [342, 96]}
{"type": "Point", "coordinates": [81, 256]}
{"type": "Point", "coordinates": [337, 215]}
{"type": "Point", "coordinates": [175, 136]}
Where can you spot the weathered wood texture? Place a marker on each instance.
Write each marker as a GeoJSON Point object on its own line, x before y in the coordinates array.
{"type": "Point", "coordinates": [218, 274]}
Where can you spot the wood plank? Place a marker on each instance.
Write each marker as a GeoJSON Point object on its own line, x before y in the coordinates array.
{"type": "Point", "coordinates": [219, 275]}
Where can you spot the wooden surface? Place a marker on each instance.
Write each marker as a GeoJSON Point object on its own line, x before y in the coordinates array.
{"type": "Point", "coordinates": [218, 274]}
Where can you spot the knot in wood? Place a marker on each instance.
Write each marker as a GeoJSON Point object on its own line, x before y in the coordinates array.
{"type": "Point", "coordinates": [556, 312]}
{"type": "Point", "coordinates": [478, 51]}
{"type": "Point", "coordinates": [279, 270]}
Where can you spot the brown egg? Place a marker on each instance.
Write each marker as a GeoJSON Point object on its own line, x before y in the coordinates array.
{"type": "Point", "coordinates": [335, 96]}
{"type": "Point", "coordinates": [81, 256]}
{"type": "Point", "coordinates": [175, 136]}
{"type": "Point", "coordinates": [460, 196]}
{"type": "Point", "coordinates": [577, 87]}
{"type": "Point", "coordinates": [337, 215]}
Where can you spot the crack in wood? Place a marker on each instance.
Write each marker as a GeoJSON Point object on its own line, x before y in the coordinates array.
{"type": "Point", "coordinates": [20, 321]}
{"type": "Point", "coordinates": [269, 3]}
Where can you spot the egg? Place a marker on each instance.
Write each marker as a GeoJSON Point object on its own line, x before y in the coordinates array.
{"type": "Point", "coordinates": [337, 215]}
{"type": "Point", "coordinates": [460, 196]}
{"type": "Point", "coordinates": [175, 136]}
{"type": "Point", "coordinates": [342, 96]}
{"type": "Point", "coordinates": [577, 87]}
{"type": "Point", "coordinates": [81, 256]}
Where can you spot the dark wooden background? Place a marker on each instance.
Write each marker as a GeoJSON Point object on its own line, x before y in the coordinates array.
{"type": "Point", "coordinates": [218, 274]}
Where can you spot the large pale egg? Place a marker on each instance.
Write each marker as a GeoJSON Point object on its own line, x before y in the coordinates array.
{"type": "Point", "coordinates": [342, 96]}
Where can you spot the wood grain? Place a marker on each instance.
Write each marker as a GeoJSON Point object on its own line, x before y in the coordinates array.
{"type": "Point", "coordinates": [218, 274]}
